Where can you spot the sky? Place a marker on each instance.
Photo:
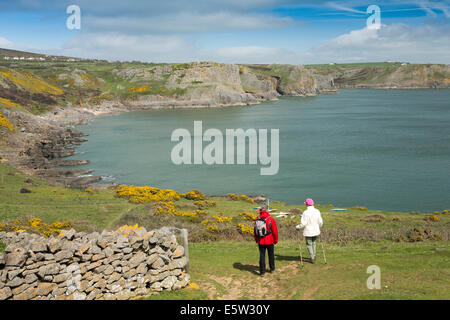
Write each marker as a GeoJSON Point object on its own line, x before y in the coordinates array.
{"type": "Point", "coordinates": [232, 31]}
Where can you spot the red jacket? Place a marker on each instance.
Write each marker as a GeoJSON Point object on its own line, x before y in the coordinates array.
{"type": "Point", "coordinates": [271, 238]}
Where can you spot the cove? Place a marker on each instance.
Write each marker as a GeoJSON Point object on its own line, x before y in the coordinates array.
{"type": "Point", "coordinates": [383, 149]}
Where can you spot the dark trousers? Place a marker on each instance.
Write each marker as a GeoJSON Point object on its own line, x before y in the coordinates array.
{"type": "Point", "coordinates": [262, 257]}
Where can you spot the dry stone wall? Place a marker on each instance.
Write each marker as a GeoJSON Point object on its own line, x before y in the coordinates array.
{"type": "Point", "coordinates": [121, 264]}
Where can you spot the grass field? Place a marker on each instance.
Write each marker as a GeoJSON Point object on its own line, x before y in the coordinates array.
{"type": "Point", "coordinates": [229, 269]}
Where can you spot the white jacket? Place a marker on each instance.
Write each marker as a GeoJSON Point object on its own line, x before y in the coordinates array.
{"type": "Point", "coordinates": [311, 221]}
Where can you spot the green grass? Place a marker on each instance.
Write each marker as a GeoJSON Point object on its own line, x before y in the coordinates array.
{"type": "Point", "coordinates": [56, 203]}
{"type": "Point", "coordinates": [2, 247]}
{"type": "Point", "coordinates": [229, 270]}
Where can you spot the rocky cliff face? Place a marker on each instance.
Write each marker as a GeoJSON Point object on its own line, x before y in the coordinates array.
{"type": "Point", "coordinates": [388, 75]}
{"type": "Point", "coordinates": [69, 93]}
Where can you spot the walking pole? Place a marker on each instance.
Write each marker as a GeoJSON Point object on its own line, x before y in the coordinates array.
{"type": "Point", "coordinates": [300, 246]}
{"type": "Point", "coordinates": [323, 250]}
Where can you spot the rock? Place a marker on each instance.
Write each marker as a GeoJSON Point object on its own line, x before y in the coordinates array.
{"type": "Point", "coordinates": [50, 269]}
{"type": "Point", "coordinates": [79, 295]}
{"type": "Point", "coordinates": [20, 288]}
{"type": "Point", "coordinates": [15, 282]}
{"type": "Point", "coordinates": [63, 254]}
{"type": "Point", "coordinates": [178, 263]}
{"type": "Point", "coordinates": [61, 277]}
{"type": "Point", "coordinates": [25, 190]}
{"type": "Point", "coordinates": [44, 289]}
{"type": "Point", "coordinates": [142, 268]}
{"type": "Point", "coordinates": [30, 278]}
{"type": "Point", "coordinates": [179, 252]}
{"type": "Point", "coordinates": [16, 258]}
{"type": "Point", "coordinates": [13, 273]}
{"type": "Point", "coordinates": [108, 270]}
{"type": "Point", "coordinates": [137, 259]}
{"type": "Point", "coordinates": [5, 293]}
{"type": "Point", "coordinates": [158, 264]}
{"type": "Point", "coordinates": [2, 259]}
{"type": "Point", "coordinates": [38, 247]}
{"type": "Point", "coordinates": [67, 234]}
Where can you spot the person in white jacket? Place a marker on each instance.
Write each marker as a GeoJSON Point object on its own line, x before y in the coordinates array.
{"type": "Point", "coordinates": [311, 223]}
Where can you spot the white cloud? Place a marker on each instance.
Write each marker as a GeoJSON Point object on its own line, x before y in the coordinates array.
{"type": "Point", "coordinates": [185, 22]}
{"type": "Point", "coordinates": [6, 44]}
{"type": "Point", "coordinates": [114, 46]}
{"type": "Point", "coordinates": [425, 43]}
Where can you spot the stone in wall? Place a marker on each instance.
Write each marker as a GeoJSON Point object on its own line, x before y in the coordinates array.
{"type": "Point", "coordinates": [121, 264]}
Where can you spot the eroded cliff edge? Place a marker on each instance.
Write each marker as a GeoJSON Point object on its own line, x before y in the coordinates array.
{"type": "Point", "coordinates": [41, 101]}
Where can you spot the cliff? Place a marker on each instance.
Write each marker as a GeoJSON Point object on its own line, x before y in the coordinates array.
{"type": "Point", "coordinates": [40, 99]}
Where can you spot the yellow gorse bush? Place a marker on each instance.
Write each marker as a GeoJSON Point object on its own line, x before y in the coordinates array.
{"type": "Point", "coordinates": [4, 122]}
{"type": "Point", "coordinates": [244, 228]}
{"type": "Point", "coordinates": [140, 89]}
{"type": "Point", "coordinates": [359, 208]}
{"type": "Point", "coordinates": [168, 207]}
{"type": "Point", "coordinates": [35, 225]}
{"type": "Point", "coordinates": [241, 197]}
{"type": "Point", "coordinates": [6, 103]}
{"type": "Point", "coordinates": [28, 81]}
{"type": "Point", "coordinates": [205, 204]}
{"type": "Point", "coordinates": [194, 195]}
{"type": "Point", "coordinates": [248, 216]}
{"type": "Point", "coordinates": [221, 219]}
{"type": "Point", "coordinates": [146, 194]}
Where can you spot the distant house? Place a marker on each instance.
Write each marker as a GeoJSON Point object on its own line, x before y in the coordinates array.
{"type": "Point", "coordinates": [22, 58]}
{"type": "Point", "coordinates": [7, 58]}
{"type": "Point", "coordinates": [16, 58]}
{"type": "Point", "coordinates": [405, 63]}
{"type": "Point", "coordinates": [331, 63]}
{"type": "Point", "coordinates": [41, 59]}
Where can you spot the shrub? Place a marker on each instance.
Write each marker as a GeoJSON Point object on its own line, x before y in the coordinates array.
{"type": "Point", "coordinates": [248, 216]}
{"type": "Point", "coordinates": [374, 218]}
{"type": "Point", "coordinates": [242, 197]}
{"type": "Point", "coordinates": [395, 219]}
{"type": "Point", "coordinates": [194, 195]}
{"type": "Point", "coordinates": [296, 211]}
{"type": "Point", "coordinates": [359, 208]}
{"type": "Point", "coordinates": [203, 204]}
{"type": "Point", "coordinates": [146, 194]}
{"type": "Point", "coordinates": [5, 123]}
{"type": "Point", "coordinates": [445, 211]}
{"type": "Point", "coordinates": [35, 225]}
{"type": "Point", "coordinates": [245, 229]}
{"type": "Point", "coordinates": [432, 218]}
{"type": "Point", "coordinates": [419, 234]}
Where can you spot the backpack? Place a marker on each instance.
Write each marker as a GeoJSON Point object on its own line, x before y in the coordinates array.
{"type": "Point", "coordinates": [261, 227]}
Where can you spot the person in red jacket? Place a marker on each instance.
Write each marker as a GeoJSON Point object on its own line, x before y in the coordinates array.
{"type": "Point", "coordinates": [266, 242]}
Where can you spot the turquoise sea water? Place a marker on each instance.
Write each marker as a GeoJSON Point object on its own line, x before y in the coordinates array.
{"type": "Point", "coordinates": [383, 149]}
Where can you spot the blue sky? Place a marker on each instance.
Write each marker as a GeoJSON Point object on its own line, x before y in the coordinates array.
{"type": "Point", "coordinates": [252, 31]}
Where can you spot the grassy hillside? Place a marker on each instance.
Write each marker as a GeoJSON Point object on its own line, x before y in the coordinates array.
{"type": "Point", "coordinates": [211, 219]}
{"type": "Point", "coordinates": [223, 255]}
{"type": "Point", "coordinates": [229, 270]}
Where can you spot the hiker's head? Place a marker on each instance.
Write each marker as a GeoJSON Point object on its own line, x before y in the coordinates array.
{"type": "Point", "coordinates": [309, 202]}
{"type": "Point", "coordinates": [264, 208]}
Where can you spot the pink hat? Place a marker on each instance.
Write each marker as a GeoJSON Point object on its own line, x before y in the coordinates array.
{"type": "Point", "coordinates": [309, 202]}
